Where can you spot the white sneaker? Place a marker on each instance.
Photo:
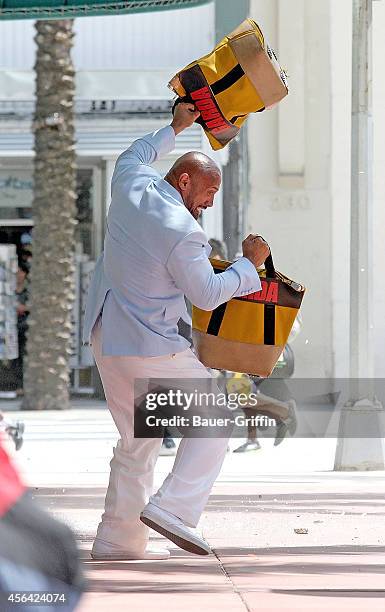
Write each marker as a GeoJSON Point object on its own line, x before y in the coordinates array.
{"type": "Point", "coordinates": [102, 551]}
{"type": "Point", "coordinates": [174, 529]}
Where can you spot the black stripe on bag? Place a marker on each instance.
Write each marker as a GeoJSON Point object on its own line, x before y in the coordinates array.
{"type": "Point", "coordinates": [269, 324]}
{"type": "Point", "coordinates": [228, 80]}
{"type": "Point", "coordinates": [233, 119]}
{"type": "Point", "coordinates": [216, 320]}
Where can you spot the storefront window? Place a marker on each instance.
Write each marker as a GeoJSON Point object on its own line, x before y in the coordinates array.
{"type": "Point", "coordinates": [16, 235]}
{"type": "Point", "coordinates": [16, 193]}
{"type": "Point", "coordinates": [16, 196]}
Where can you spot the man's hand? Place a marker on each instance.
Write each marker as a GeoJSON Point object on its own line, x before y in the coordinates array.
{"type": "Point", "coordinates": [255, 249]}
{"type": "Point", "coordinates": [184, 116]}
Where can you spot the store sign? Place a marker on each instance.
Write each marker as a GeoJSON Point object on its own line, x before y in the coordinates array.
{"type": "Point", "coordinates": [16, 188]}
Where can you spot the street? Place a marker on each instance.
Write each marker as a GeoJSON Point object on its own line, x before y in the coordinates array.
{"type": "Point", "coordinates": [286, 532]}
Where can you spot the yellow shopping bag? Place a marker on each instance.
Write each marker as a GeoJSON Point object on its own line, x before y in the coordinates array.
{"type": "Point", "coordinates": [240, 76]}
{"type": "Point", "coordinates": [248, 333]}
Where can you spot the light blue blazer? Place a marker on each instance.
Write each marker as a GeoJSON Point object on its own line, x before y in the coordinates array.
{"type": "Point", "coordinates": [155, 253]}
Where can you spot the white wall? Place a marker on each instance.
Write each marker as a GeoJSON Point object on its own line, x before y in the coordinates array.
{"type": "Point", "coordinates": [309, 226]}
{"type": "Point", "coordinates": [291, 204]}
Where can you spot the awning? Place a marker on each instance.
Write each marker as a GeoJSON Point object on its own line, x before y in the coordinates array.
{"type": "Point", "coordinates": [68, 9]}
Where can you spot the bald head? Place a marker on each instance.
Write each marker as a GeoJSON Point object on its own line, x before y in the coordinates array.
{"type": "Point", "coordinates": [197, 178]}
{"type": "Point", "coordinates": [195, 164]}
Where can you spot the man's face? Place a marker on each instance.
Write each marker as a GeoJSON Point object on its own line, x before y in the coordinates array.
{"type": "Point", "coordinates": [198, 192]}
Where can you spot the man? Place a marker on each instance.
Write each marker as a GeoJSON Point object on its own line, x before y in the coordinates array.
{"type": "Point", "coordinates": [155, 254]}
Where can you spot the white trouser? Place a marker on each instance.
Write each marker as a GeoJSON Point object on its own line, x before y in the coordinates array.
{"type": "Point", "coordinates": [186, 489]}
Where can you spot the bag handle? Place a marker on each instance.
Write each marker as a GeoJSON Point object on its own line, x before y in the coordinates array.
{"type": "Point", "coordinates": [269, 264]}
{"type": "Point", "coordinates": [269, 267]}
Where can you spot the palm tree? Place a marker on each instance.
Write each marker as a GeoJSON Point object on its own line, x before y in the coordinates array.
{"type": "Point", "coordinates": [46, 378]}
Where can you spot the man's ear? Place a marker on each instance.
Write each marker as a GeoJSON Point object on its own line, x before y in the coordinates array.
{"type": "Point", "coordinates": [184, 181]}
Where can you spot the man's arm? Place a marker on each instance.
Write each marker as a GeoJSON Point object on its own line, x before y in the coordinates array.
{"type": "Point", "coordinates": [155, 145]}
{"type": "Point", "coordinates": [193, 274]}
{"type": "Point", "coordinates": [147, 149]}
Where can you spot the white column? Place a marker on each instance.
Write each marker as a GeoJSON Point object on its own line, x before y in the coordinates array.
{"type": "Point", "coordinates": [361, 256]}
{"type": "Point", "coordinates": [362, 415]}
{"type": "Point", "coordinates": [341, 69]}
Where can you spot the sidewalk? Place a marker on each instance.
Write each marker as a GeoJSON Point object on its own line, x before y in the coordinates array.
{"type": "Point", "coordinates": [258, 562]}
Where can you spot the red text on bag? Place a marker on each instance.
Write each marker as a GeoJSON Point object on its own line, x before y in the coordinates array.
{"type": "Point", "coordinates": [268, 293]}
{"type": "Point", "coordinates": [203, 100]}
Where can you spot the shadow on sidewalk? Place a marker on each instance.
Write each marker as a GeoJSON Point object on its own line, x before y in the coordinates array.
{"type": "Point", "coordinates": [313, 502]}
{"type": "Point", "coordinates": [303, 560]}
{"type": "Point", "coordinates": [368, 593]}
{"type": "Point", "coordinates": [150, 587]}
{"type": "Point", "coordinates": [339, 549]}
{"type": "Point", "coordinates": [182, 573]}
{"type": "Point", "coordinates": [81, 498]}
{"type": "Point", "coordinates": [70, 498]}
{"type": "Point", "coordinates": [185, 574]}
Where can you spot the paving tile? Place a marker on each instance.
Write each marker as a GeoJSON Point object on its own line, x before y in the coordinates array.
{"type": "Point", "coordinates": [259, 562]}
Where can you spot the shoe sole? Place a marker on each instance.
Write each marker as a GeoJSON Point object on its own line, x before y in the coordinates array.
{"type": "Point", "coordinates": [178, 540]}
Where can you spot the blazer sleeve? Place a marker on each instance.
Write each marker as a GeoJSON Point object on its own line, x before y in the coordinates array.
{"type": "Point", "coordinates": [146, 150]}
{"type": "Point", "coordinates": [193, 274]}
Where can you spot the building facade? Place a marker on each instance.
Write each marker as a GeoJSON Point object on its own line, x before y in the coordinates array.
{"type": "Point", "coordinates": [299, 152]}
{"type": "Point", "coordinates": [300, 173]}
{"type": "Point", "coordinates": [123, 65]}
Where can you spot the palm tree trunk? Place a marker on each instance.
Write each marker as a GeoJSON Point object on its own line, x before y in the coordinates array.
{"type": "Point", "coordinates": [46, 378]}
